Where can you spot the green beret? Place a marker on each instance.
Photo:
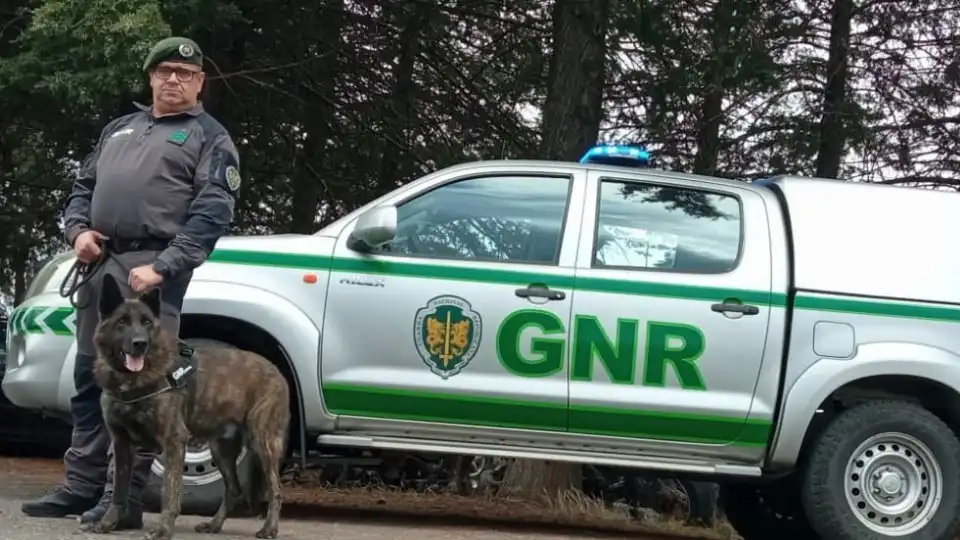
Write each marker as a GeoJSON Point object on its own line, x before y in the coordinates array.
{"type": "Point", "coordinates": [174, 49]}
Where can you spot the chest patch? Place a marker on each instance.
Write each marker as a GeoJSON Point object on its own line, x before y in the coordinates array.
{"type": "Point", "coordinates": [179, 137]}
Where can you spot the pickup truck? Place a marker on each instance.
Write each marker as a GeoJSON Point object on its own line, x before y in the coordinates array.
{"type": "Point", "coordinates": [775, 337]}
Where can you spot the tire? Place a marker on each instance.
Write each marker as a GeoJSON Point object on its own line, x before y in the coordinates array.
{"type": "Point", "coordinates": [871, 448]}
{"type": "Point", "coordinates": [765, 511]}
{"type": "Point", "coordinates": [202, 490]}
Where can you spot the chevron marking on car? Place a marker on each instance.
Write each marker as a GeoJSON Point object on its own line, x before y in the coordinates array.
{"type": "Point", "coordinates": [61, 321]}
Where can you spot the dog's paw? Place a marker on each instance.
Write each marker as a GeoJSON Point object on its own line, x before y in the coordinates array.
{"type": "Point", "coordinates": [108, 522]}
{"type": "Point", "coordinates": [267, 532]}
{"type": "Point", "coordinates": [159, 533]}
{"type": "Point", "coordinates": [206, 528]}
{"type": "Point", "coordinates": [100, 527]}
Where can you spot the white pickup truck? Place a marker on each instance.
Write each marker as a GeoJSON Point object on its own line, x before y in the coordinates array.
{"type": "Point", "coordinates": [795, 340]}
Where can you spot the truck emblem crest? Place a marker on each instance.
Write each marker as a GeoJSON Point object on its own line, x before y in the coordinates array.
{"type": "Point", "coordinates": [447, 334]}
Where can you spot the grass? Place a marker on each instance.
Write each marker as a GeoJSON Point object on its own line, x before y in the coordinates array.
{"type": "Point", "coordinates": [569, 511]}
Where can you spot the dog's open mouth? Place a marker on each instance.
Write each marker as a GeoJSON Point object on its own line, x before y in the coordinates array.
{"type": "Point", "coordinates": [133, 363]}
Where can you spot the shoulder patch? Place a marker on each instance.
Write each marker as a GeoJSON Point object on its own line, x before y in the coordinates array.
{"type": "Point", "coordinates": [233, 178]}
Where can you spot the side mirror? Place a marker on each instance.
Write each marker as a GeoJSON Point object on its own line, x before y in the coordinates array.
{"type": "Point", "coordinates": [374, 228]}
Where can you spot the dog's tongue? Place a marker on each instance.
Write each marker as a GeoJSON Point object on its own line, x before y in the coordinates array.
{"type": "Point", "coordinates": [133, 363]}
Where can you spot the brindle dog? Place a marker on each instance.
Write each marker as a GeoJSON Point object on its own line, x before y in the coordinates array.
{"type": "Point", "coordinates": [158, 394]}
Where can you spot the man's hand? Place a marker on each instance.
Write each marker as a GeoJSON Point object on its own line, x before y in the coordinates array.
{"type": "Point", "coordinates": [144, 277]}
{"type": "Point", "coordinates": [87, 245]}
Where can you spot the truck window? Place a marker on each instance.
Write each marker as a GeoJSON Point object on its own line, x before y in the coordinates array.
{"type": "Point", "coordinates": [666, 228]}
{"type": "Point", "coordinates": [495, 218]}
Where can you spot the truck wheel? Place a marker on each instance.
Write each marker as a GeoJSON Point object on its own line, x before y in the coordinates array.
{"type": "Point", "coordinates": [202, 481]}
{"type": "Point", "coordinates": [884, 469]}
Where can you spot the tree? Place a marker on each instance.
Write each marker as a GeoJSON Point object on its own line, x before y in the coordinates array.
{"type": "Point", "coordinates": [832, 129]}
{"type": "Point", "coordinates": [63, 66]}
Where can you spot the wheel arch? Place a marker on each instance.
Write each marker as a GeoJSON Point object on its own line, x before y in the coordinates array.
{"type": "Point", "coordinates": [251, 337]}
{"type": "Point", "coordinates": [927, 375]}
{"type": "Point", "coordinates": [933, 395]}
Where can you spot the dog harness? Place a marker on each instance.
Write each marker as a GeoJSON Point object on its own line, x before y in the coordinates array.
{"type": "Point", "coordinates": [175, 380]}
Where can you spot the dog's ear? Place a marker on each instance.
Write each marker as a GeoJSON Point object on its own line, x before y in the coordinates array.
{"type": "Point", "coordinates": [152, 299]}
{"type": "Point", "coordinates": [110, 296]}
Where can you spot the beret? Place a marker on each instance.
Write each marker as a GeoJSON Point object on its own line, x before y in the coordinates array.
{"type": "Point", "coordinates": [176, 49]}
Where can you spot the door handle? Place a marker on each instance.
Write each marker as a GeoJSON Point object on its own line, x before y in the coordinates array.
{"type": "Point", "coordinates": [538, 290]}
{"type": "Point", "coordinates": [745, 309]}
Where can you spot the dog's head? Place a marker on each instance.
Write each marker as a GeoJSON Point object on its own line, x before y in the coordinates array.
{"type": "Point", "coordinates": [128, 328]}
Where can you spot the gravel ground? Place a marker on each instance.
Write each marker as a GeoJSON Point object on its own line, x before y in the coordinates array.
{"type": "Point", "coordinates": [308, 513]}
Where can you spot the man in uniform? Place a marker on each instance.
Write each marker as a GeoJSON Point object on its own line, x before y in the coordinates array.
{"type": "Point", "coordinates": [153, 198]}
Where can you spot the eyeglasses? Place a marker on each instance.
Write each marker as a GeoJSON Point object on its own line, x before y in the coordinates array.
{"type": "Point", "coordinates": [183, 74]}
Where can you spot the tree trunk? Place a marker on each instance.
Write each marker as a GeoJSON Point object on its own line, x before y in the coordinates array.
{"type": "Point", "coordinates": [308, 186]}
{"type": "Point", "coordinates": [574, 104]}
{"type": "Point", "coordinates": [571, 124]}
{"type": "Point", "coordinates": [714, 89]}
{"type": "Point", "coordinates": [833, 136]}
{"type": "Point", "coordinates": [401, 114]}
{"type": "Point", "coordinates": [19, 264]}
{"type": "Point", "coordinates": [538, 479]}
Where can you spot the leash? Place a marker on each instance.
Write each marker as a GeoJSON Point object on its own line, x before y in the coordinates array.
{"type": "Point", "coordinates": [79, 275]}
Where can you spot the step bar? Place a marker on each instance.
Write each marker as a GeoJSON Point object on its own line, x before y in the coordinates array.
{"type": "Point", "coordinates": [518, 452]}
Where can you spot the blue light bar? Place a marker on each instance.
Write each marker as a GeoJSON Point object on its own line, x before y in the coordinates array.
{"type": "Point", "coordinates": [615, 154]}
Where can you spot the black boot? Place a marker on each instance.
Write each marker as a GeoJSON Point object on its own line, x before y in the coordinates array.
{"type": "Point", "coordinates": [59, 503]}
{"type": "Point", "coordinates": [131, 518]}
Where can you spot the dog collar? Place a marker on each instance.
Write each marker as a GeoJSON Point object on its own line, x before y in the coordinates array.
{"type": "Point", "coordinates": [175, 380]}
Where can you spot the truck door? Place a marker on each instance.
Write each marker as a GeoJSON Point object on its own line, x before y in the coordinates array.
{"type": "Point", "coordinates": [673, 292]}
{"type": "Point", "coordinates": [425, 328]}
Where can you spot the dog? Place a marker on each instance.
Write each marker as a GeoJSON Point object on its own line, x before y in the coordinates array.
{"type": "Point", "coordinates": [160, 394]}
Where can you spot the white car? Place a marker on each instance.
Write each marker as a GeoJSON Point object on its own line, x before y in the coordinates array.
{"type": "Point", "coordinates": [757, 334]}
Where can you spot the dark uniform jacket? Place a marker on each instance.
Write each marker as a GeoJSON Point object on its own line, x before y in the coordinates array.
{"type": "Point", "coordinates": [172, 178]}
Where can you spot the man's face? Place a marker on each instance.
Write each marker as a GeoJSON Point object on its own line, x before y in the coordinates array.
{"type": "Point", "coordinates": [176, 85]}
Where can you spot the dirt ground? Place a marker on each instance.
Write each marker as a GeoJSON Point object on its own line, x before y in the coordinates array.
{"type": "Point", "coordinates": [364, 514]}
